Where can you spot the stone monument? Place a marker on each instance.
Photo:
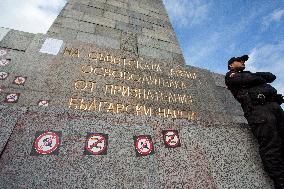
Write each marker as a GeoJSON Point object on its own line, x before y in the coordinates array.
{"type": "Point", "coordinates": [105, 100]}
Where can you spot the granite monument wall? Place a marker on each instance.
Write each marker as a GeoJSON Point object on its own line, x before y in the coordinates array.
{"type": "Point", "coordinates": [105, 100]}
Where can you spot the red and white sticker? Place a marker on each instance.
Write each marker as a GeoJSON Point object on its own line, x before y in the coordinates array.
{"type": "Point", "coordinates": [3, 52]}
{"type": "Point", "coordinates": [46, 143]}
{"type": "Point", "coordinates": [12, 98]}
{"type": "Point", "coordinates": [96, 144]}
{"type": "Point", "coordinates": [3, 75]}
{"type": "Point", "coordinates": [43, 103]}
{"type": "Point", "coordinates": [19, 80]}
{"type": "Point", "coordinates": [4, 62]}
{"type": "Point", "coordinates": [144, 145]}
{"type": "Point", "coordinates": [171, 138]}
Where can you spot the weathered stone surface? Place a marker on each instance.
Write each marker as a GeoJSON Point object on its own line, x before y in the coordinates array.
{"type": "Point", "coordinates": [108, 32]}
{"type": "Point", "coordinates": [118, 17]}
{"type": "Point", "coordinates": [84, 2]}
{"type": "Point", "coordinates": [140, 23]}
{"type": "Point", "coordinates": [160, 33]}
{"type": "Point", "coordinates": [129, 42]}
{"type": "Point", "coordinates": [8, 119]}
{"type": "Point", "coordinates": [200, 150]}
{"type": "Point", "coordinates": [99, 40]}
{"type": "Point", "coordinates": [99, 20]}
{"type": "Point", "coordinates": [93, 11]}
{"type": "Point", "coordinates": [69, 23]}
{"type": "Point", "coordinates": [153, 7]}
{"type": "Point", "coordinates": [16, 40]}
{"type": "Point", "coordinates": [98, 4]}
{"type": "Point", "coordinates": [3, 32]}
{"type": "Point", "coordinates": [219, 80]}
{"type": "Point", "coordinates": [73, 14]}
{"type": "Point", "coordinates": [63, 33]}
{"type": "Point", "coordinates": [126, 27]}
{"type": "Point", "coordinates": [87, 27]}
{"type": "Point", "coordinates": [134, 5]}
{"type": "Point", "coordinates": [117, 3]}
{"type": "Point", "coordinates": [154, 53]}
{"type": "Point", "coordinates": [115, 9]}
{"type": "Point", "coordinates": [148, 41]}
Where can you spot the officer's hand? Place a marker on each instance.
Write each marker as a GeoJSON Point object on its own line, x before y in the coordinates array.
{"type": "Point", "coordinates": [269, 77]}
{"type": "Point", "coordinates": [232, 75]}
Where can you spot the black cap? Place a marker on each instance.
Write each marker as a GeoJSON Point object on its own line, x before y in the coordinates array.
{"type": "Point", "coordinates": [233, 59]}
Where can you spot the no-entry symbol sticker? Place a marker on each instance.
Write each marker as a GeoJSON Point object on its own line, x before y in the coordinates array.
{"type": "Point", "coordinates": [171, 138]}
{"type": "Point", "coordinates": [46, 143]}
{"type": "Point", "coordinates": [143, 145]}
{"type": "Point", "coordinates": [96, 144]}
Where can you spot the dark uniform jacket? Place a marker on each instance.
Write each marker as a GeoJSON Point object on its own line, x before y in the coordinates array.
{"type": "Point", "coordinates": [246, 86]}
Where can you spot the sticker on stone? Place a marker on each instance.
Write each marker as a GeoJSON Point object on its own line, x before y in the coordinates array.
{"type": "Point", "coordinates": [143, 145]}
{"type": "Point", "coordinates": [96, 144]}
{"type": "Point", "coordinates": [19, 80]}
{"type": "Point", "coordinates": [46, 143]}
{"type": "Point", "coordinates": [4, 62]}
{"type": "Point", "coordinates": [171, 138]}
{"type": "Point", "coordinates": [44, 103]}
{"type": "Point", "coordinates": [3, 75]}
{"type": "Point", "coordinates": [3, 52]}
{"type": "Point", "coordinates": [12, 98]}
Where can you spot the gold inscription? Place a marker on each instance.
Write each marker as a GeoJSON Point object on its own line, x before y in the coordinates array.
{"type": "Point", "coordinates": [183, 73]}
{"type": "Point", "coordinates": [125, 62]}
{"type": "Point", "coordinates": [71, 52]}
{"type": "Point", "coordinates": [79, 103]}
{"type": "Point", "coordinates": [158, 93]}
{"type": "Point", "coordinates": [134, 78]}
{"type": "Point", "coordinates": [145, 94]}
{"type": "Point", "coordinates": [81, 85]}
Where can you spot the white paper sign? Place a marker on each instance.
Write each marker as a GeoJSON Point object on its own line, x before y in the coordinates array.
{"type": "Point", "coordinates": [51, 46]}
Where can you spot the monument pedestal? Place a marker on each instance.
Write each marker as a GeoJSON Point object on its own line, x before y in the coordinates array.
{"type": "Point", "coordinates": [105, 100]}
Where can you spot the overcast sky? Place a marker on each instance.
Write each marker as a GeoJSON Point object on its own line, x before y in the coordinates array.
{"type": "Point", "coordinates": [209, 31]}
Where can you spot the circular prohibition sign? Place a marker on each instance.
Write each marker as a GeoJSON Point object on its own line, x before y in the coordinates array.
{"type": "Point", "coordinates": [143, 145]}
{"type": "Point", "coordinates": [171, 139]}
{"type": "Point", "coordinates": [96, 144]}
{"type": "Point", "coordinates": [47, 143]}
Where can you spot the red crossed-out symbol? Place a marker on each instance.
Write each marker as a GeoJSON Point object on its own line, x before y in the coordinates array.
{"type": "Point", "coordinates": [12, 97]}
{"type": "Point", "coordinates": [171, 138]}
{"type": "Point", "coordinates": [3, 75]}
{"type": "Point", "coordinates": [96, 144]}
{"type": "Point", "coordinates": [143, 145]}
{"type": "Point", "coordinates": [43, 103]}
{"type": "Point", "coordinates": [47, 143]}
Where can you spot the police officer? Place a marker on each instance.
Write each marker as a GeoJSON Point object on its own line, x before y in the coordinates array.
{"type": "Point", "coordinates": [261, 105]}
